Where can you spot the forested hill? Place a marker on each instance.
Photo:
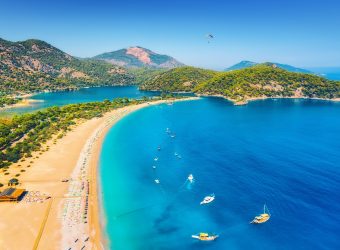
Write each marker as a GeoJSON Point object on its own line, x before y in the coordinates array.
{"type": "Point", "coordinates": [35, 65]}
{"type": "Point", "coordinates": [259, 81]}
{"type": "Point", "coordinates": [178, 79]}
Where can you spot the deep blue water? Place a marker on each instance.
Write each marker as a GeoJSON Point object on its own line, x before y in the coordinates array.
{"type": "Point", "coordinates": [81, 95]}
{"type": "Point", "coordinates": [285, 153]}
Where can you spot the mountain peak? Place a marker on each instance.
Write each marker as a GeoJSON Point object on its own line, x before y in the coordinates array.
{"type": "Point", "coordinates": [137, 56]}
{"type": "Point", "coordinates": [140, 53]}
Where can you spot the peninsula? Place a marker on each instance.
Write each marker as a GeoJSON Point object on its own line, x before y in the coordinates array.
{"type": "Point", "coordinates": [61, 207]}
{"type": "Point", "coordinates": [240, 86]}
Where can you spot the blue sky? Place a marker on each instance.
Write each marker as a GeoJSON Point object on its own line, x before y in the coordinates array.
{"type": "Point", "coordinates": [302, 33]}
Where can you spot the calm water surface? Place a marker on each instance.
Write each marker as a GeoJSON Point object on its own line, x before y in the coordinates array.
{"type": "Point", "coordinates": [284, 153]}
{"type": "Point", "coordinates": [62, 98]}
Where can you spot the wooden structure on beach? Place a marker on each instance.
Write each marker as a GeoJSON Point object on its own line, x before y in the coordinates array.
{"type": "Point", "coordinates": [13, 182]}
{"type": "Point", "coordinates": [12, 194]}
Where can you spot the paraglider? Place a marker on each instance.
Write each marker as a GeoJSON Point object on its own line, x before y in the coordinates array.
{"type": "Point", "coordinates": [209, 37]}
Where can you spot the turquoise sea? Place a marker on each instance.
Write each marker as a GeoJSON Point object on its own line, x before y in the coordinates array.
{"type": "Point", "coordinates": [285, 153]}
{"type": "Point", "coordinates": [93, 94]}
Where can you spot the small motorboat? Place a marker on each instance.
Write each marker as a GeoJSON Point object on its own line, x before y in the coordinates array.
{"type": "Point", "coordinates": [156, 159]}
{"type": "Point", "coordinates": [173, 136]}
{"type": "Point", "coordinates": [159, 148]}
{"type": "Point", "coordinates": [154, 167]}
{"type": "Point", "coordinates": [205, 237]}
{"type": "Point", "coordinates": [262, 218]}
{"type": "Point", "coordinates": [191, 178]}
{"type": "Point", "coordinates": [208, 199]}
{"type": "Point", "coordinates": [167, 130]}
{"type": "Point", "coordinates": [157, 181]}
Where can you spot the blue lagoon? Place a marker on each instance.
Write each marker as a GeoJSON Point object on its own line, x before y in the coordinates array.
{"type": "Point", "coordinates": [283, 152]}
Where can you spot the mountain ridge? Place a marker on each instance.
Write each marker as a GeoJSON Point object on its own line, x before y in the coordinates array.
{"type": "Point", "coordinates": [247, 64]}
{"type": "Point", "coordinates": [35, 65]}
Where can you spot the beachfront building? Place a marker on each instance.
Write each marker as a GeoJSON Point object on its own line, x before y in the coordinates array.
{"type": "Point", "coordinates": [12, 194]}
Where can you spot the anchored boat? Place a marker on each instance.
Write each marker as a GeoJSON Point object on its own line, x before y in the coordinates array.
{"type": "Point", "coordinates": [262, 218]}
{"type": "Point", "coordinates": [208, 199]}
{"type": "Point", "coordinates": [191, 178]}
{"type": "Point", "coordinates": [205, 237]}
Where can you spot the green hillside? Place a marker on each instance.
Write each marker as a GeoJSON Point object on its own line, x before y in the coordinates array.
{"type": "Point", "coordinates": [178, 79]}
{"type": "Point", "coordinates": [35, 65]}
{"type": "Point", "coordinates": [268, 81]}
{"type": "Point", "coordinates": [145, 74]}
{"type": "Point", "coordinates": [260, 81]}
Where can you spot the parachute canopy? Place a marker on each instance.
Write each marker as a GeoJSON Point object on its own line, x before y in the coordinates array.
{"type": "Point", "coordinates": [209, 37]}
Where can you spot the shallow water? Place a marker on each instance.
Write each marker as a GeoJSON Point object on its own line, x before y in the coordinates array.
{"type": "Point", "coordinates": [284, 153]}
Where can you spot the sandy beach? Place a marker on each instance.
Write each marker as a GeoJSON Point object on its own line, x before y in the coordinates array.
{"type": "Point", "coordinates": [62, 208]}
{"type": "Point", "coordinates": [22, 103]}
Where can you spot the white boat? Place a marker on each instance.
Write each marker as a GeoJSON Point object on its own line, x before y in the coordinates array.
{"type": "Point", "coordinates": [157, 181]}
{"type": "Point", "coordinates": [205, 237]}
{"type": "Point", "coordinates": [208, 199]}
{"type": "Point", "coordinates": [178, 155]}
{"type": "Point", "coordinates": [167, 130]}
{"type": "Point", "coordinates": [173, 136]}
{"type": "Point", "coordinates": [154, 167]}
{"type": "Point", "coordinates": [191, 178]}
{"type": "Point", "coordinates": [156, 159]}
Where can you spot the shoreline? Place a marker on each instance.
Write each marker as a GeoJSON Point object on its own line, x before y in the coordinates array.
{"type": "Point", "coordinates": [25, 102]}
{"type": "Point", "coordinates": [245, 102]}
{"type": "Point", "coordinates": [100, 219]}
{"type": "Point", "coordinates": [63, 207]}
